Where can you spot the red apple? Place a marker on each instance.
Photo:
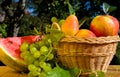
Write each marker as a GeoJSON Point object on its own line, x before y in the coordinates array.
{"type": "Point", "coordinates": [85, 33]}
{"type": "Point", "coordinates": [104, 25]}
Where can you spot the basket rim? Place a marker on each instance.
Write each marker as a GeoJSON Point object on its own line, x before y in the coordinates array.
{"type": "Point", "coordinates": [91, 40]}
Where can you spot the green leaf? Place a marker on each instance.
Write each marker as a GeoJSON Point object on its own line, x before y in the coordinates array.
{"type": "Point", "coordinates": [92, 75]}
{"type": "Point", "coordinates": [58, 72]}
{"type": "Point", "coordinates": [100, 74]}
{"type": "Point", "coordinates": [71, 10]}
{"type": "Point", "coordinates": [112, 8]}
{"type": "Point", "coordinates": [74, 72]}
{"type": "Point", "coordinates": [106, 7]}
{"type": "Point", "coordinates": [97, 74]}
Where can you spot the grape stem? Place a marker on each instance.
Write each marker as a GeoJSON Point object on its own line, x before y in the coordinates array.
{"type": "Point", "coordinates": [50, 50]}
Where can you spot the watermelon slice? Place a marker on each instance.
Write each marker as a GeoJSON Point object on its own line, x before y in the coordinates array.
{"type": "Point", "coordinates": [10, 51]}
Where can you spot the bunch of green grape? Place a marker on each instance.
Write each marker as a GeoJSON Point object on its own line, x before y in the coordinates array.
{"type": "Point", "coordinates": [38, 56]}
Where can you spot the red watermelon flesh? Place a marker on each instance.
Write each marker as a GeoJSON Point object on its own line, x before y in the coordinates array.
{"type": "Point", "coordinates": [29, 39]}
{"type": "Point", "coordinates": [12, 44]}
{"type": "Point", "coordinates": [10, 51]}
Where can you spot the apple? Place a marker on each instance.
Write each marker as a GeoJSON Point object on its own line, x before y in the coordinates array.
{"type": "Point", "coordinates": [85, 33]}
{"type": "Point", "coordinates": [70, 26]}
{"type": "Point", "coordinates": [104, 25]}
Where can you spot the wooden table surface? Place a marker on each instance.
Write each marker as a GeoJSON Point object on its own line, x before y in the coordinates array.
{"type": "Point", "coordinates": [5, 71]}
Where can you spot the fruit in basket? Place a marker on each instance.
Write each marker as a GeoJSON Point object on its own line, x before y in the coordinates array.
{"type": "Point", "coordinates": [85, 33]}
{"type": "Point", "coordinates": [10, 51]}
{"type": "Point", "coordinates": [104, 25]}
{"type": "Point", "coordinates": [70, 26]}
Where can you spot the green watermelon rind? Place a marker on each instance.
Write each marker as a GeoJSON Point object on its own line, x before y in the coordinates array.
{"type": "Point", "coordinates": [7, 59]}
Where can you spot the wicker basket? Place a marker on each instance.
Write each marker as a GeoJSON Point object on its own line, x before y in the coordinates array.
{"type": "Point", "coordinates": [87, 54]}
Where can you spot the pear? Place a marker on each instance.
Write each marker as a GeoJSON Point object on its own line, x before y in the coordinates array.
{"type": "Point", "coordinates": [70, 26]}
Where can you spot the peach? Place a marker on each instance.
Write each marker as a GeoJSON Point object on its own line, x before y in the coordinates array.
{"type": "Point", "coordinates": [85, 33]}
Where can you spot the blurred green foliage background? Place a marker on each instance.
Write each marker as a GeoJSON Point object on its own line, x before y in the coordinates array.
{"type": "Point", "coordinates": [29, 14]}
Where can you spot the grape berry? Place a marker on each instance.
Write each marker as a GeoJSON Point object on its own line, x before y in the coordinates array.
{"type": "Point", "coordinates": [37, 55]}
